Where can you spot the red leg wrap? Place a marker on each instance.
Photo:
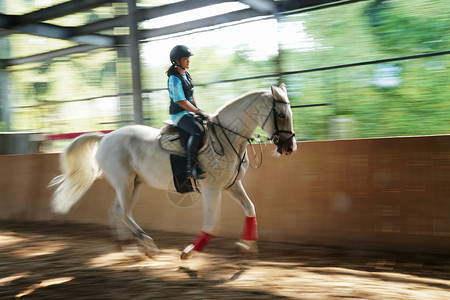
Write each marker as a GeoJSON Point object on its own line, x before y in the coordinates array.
{"type": "Point", "coordinates": [202, 241]}
{"type": "Point", "coordinates": [250, 232]}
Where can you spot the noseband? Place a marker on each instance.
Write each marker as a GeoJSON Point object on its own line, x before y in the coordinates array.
{"type": "Point", "coordinates": [276, 135]}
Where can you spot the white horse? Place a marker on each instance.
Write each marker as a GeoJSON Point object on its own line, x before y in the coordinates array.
{"type": "Point", "coordinates": [131, 155]}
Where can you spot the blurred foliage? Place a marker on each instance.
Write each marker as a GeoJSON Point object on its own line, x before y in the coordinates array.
{"type": "Point", "coordinates": [401, 28]}
{"type": "Point", "coordinates": [64, 80]}
{"type": "Point", "coordinates": [408, 97]}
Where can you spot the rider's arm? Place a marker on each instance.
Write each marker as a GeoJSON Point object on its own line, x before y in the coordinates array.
{"type": "Point", "coordinates": [185, 104]}
{"type": "Point", "coordinates": [194, 102]}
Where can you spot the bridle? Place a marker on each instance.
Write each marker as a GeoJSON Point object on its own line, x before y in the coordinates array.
{"type": "Point", "coordinates": [275, 138]}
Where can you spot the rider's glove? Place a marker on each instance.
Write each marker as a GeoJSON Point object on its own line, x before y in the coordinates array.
{"type": "Point", "coordinates": [203, 115]}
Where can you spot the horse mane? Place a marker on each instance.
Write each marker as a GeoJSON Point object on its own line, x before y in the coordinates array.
{"type": "Point", "coordinates": [240, 98]}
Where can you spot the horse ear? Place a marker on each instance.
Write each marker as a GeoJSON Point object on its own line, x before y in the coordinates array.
{"type": "Point", "coordinates": [279, 92]}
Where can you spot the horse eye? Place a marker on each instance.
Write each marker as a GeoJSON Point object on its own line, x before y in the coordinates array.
{"type": "Point", "coordinates": [281, 117]}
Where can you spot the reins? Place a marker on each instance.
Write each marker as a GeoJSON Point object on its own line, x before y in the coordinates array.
{"type": "Point", "coordinates": [241, 160]}
{"type": "Point", "coordinates": [275, 138]}
{"type": "Point", "coordinates": [250, 140]}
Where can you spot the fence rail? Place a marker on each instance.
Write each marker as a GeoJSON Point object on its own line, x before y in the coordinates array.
{"type": "Point", "coordinates": [274, 75]}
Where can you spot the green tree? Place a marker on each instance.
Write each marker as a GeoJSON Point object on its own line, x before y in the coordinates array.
{"type": "Point", "coordinates": [403, 98]}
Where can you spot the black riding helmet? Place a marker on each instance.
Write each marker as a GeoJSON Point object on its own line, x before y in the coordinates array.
{"type": "Point", "coordinates": [178, 52]}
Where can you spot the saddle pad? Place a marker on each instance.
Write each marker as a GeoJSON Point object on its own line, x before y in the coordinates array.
{"type": "Point", "coordinates": [182, 184]}
{"type": "Point", "coordinates": [171, 143]}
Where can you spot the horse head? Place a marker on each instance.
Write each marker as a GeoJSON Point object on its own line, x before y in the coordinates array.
{"type": "Point", "coordinates": [279, 123]}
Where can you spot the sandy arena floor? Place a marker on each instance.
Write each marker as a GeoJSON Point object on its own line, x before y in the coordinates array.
{"type": "Point", "coordinates": [61, 261]}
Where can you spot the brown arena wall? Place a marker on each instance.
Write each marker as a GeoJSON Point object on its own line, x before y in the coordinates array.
{"type": "Point", "coordinates": [390, 193]}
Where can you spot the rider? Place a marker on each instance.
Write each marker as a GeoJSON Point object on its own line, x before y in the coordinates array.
{"type": "Point", "coordinates": [183, 107]}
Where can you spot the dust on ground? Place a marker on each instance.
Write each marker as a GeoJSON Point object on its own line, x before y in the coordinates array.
{"type": "Point", "coordinates": [68, 261]}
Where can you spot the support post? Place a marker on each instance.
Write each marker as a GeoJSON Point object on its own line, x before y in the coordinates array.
{"type": "Point", "coordinates": [4, 96]}
{"type": "Point", "coordinates": [135, 62]}
{"type": "Point", "coordinates": [123, 69]}
{"type": "Point", "coordinates": [278, 60]}
{"type": "Point", "coordinates": [4, 83]}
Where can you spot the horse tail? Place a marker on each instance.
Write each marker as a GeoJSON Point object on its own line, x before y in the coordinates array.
{"type": "Point", "coordinates": [79, 171]}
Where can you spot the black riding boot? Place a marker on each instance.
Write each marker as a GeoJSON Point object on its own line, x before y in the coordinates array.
{"type": "Point", "coordinates": [192, 170]}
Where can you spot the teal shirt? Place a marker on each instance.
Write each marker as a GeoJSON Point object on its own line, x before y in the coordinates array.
{"type": "Point", "coordinates": [176, 94]}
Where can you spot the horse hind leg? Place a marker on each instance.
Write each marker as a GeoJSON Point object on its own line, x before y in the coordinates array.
{"type": "Point", "coordinates": [120, 230]}
{"type": "Point", "coordinates": [127, 194]}
{"type": "Point", "coordinates": [146, 243]}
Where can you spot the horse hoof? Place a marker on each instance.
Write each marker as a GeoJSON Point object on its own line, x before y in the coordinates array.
{"type": "Point", "coordinates": [247, 247]}
{"type": "Point", "coordinates": [187, 252]}
{"type": "Point", "coordinates": [128, 247]}
{"type": "Point", "coordinates": [148, 246]}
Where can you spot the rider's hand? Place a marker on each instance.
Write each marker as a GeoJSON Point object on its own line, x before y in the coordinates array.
{"type": "Point", "coordinates": [203, 115]}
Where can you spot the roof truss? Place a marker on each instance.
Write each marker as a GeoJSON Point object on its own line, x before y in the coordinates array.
{"type": "Point", "coordinates": [88, 37]}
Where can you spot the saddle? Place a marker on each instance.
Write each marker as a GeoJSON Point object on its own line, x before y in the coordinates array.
{"type": "Point", "coordinates": [173, 140]}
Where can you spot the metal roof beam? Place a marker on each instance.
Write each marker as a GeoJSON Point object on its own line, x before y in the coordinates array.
{"type": "Point", "coordinates": [206, 22]}
{"type": "Point", "coordinates": [47, 55]}
{"type": "Point", "coordinates": [103, 25]}
{"type": "Point", "coordinates": [286, 5]}
{"type": "Point", "coordinates": [143, 34]}
{"type": "Point", "coordinates": [82, 33]}
{"type": "Point", "coordinates": [262, 6]}
{"type": "Point", "coordinates": [5, 20]}
{"type": "Point", "coordinates": [95, 39]}
{"type": "Point", "coordinates": [147, 14]}
{"type": "Point", "coordinates": [58, 10]}
{"type": "Point", "coordinates": [185, 6]}
{"type": "Point", "coordinates": [60, 32]}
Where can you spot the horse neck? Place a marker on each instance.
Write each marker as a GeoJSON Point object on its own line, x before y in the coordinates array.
{"type": "Point", "coordinates": [246, 113]}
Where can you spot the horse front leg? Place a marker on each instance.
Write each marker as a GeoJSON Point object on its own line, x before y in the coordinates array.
{"type": "Point", "coordinates": [247, 243]}
{"type": "Point", "coordinates": [212, 206]}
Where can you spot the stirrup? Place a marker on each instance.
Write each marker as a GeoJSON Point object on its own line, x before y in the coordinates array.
{"type": "Point", "coordinates": [201, 174]}
{"type": "Point", "coordinates": [195, 174]}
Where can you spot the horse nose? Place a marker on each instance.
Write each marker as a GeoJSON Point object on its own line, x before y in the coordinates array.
{"type": "Point", "coordinates": [293, 146]}
{"type": "Point", "coordinates": [288, 150]}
